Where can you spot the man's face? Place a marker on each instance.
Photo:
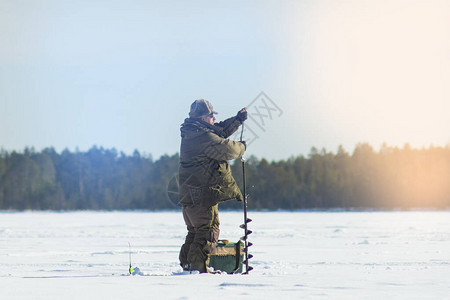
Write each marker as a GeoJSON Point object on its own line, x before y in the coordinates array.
{"type": "Point", "coordinates": [209, 119]}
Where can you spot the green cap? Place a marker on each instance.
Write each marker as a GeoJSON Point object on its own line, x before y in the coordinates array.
{"type": "Point", "coordinates": [200, 108]}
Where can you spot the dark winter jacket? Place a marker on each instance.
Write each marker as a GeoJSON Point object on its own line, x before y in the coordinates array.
{"type": "Point", "coordinates": [204, 174]}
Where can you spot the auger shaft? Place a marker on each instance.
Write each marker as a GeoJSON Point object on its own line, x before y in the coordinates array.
{"type": "Point", "coordinates": [247, 256]}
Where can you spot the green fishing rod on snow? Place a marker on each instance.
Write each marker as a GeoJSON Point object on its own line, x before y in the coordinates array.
{"type": "Point", "coordinates": [135, 270]}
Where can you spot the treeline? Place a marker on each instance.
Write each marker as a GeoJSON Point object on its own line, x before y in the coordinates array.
{"type": "Point", "coordinates": [100, 178]}
{"type": "Point", "coordinates": [96, 179]}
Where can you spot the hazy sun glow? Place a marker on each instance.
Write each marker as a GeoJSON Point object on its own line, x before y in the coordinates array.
{"type": "Point", "coordinates": [380, 69]}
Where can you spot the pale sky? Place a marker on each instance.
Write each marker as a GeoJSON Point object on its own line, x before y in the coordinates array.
{"type": "Point", "coordinates": [123, 74]}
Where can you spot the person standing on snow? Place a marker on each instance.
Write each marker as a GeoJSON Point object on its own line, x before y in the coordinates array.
{"type": "Point", "coordinates": [205, 179]}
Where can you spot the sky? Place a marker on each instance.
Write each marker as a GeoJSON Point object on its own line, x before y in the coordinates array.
{"type": "Point", "coordinates": [323, 73]}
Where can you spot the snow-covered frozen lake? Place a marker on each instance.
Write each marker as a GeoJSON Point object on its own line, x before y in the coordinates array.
{"type": "Point", "coordinates": [298, 255]}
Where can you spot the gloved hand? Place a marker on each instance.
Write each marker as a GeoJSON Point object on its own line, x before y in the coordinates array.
{"type": "Point", "coordinates": [242, 115]}
{"type": "Point", "coordinates": [244, 143]}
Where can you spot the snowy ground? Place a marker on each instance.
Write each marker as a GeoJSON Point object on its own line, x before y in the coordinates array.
{"type": "Point", "coordinates": [300, 255]}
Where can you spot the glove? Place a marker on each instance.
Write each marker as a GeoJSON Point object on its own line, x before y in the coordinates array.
{"type": "Point", "coordinates": [241, 116]}
{"type": "Point", "coordinates": [244, 143]}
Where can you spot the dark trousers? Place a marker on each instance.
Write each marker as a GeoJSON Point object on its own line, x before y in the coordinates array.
{"type": "Point", "coordinates": [203, 233]}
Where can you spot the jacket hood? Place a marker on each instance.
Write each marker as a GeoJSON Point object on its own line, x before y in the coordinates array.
{"type": "Point", "coordinates": [192, 128]}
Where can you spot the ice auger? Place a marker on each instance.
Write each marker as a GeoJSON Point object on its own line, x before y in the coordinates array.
{"type": "Point", "coordinates": [247, 220]}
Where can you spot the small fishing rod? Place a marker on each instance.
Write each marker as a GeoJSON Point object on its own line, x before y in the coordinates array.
{"type": "Point", "coordinates": [129, 252]}
{"type": "Point", "coordinates": [133, 271]}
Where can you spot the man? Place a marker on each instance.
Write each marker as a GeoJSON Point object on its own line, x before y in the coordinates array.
{"type": "Point", "coordinates": [205, 179]}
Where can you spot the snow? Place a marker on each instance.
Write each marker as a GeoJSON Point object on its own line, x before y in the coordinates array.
{"type": "Point", "coordinates": [297, 255]}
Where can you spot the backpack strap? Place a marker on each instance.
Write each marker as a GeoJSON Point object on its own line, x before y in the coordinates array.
{"type": "Point", "coordinates": [237, 247]}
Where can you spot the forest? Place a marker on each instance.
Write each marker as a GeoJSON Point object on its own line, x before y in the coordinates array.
{"type": "Point", "coordinates": [104, 179]}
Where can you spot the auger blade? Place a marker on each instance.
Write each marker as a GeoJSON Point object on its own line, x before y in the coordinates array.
{"type": "Point", "coordinates": [249, 220]}
{"type": "Point", "coordinates": [245, 262]}
{"type": "Point", "coordinates": [249, 269]}
{"type": "Point", "coordinates": [249, 244]}
{"type": "Point", "coordinates": [249, 232]}
{"type": "Point", "coordinates": [242, 226]}
{"type": "Point", "coordinates": [249, 256]}
{"type": "Point", "coordinates": [243, 238]}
